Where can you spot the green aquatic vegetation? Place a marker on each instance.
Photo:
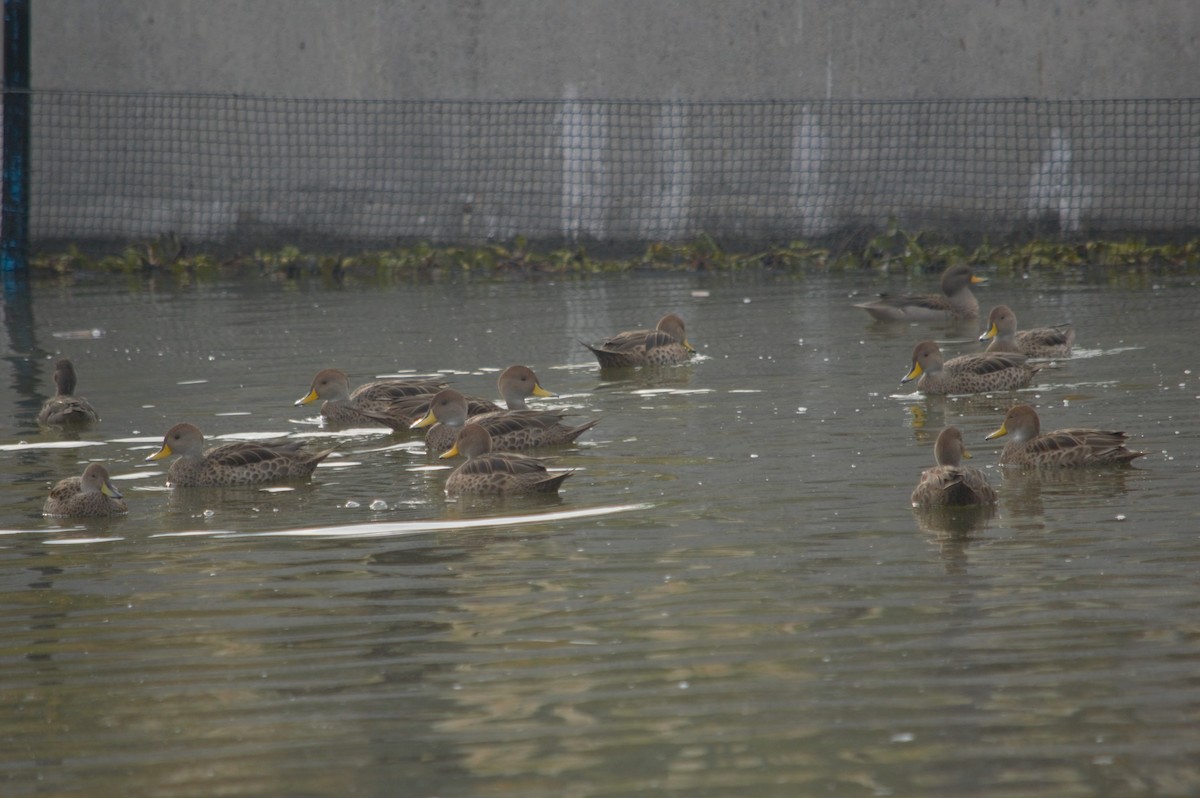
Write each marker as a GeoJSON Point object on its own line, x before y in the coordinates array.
{"type": "Point", "coordinates": [894, 249]}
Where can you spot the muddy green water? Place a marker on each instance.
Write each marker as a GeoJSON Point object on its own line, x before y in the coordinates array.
{"type": "Point", "coordinates": [731, 596]}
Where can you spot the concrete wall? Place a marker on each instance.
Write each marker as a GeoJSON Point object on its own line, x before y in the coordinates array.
{"type": "Point", "coordinates": [350, 118]}
{"type": "Point", "coordinates": [623, 49]}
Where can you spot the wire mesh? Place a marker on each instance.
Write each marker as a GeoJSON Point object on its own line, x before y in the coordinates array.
{"type": "Point", "coordinates": [244, 170]}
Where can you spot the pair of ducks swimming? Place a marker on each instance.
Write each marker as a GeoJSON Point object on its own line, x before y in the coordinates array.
{"type": "Point", "coordinates": [489, 441]}
{"type": "Point", "coordinates": [950, 483]}
{"type": "Point", "coordinates": [1003, 366]}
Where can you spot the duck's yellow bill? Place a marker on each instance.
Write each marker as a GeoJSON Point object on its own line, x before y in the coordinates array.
{"type": "Point", "coordinates": [165, 451]}
{"type": "Point", "coordinates": [307, 399]}
{"type": "Point", "coordinates": [427, 420]}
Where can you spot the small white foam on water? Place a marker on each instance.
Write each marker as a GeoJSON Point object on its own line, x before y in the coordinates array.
{"type": "Point", "coordinates": [311, 421]}
{"type": "Point", "coordinates": [409, 374]}
{"type": "Point", "coordinates": [408, 446]}
{"type": "Point", "coordinates": [353, 432]}
{"type": "Point", "coordinates": [154, 488]}
{"type": "Point", "coordinates": [133, 475]}
{"type": "Point", "coordinates": [405, 528]}
{"type": "Point", "coordinates": [671, 391]}
{"type": "Point", "coordinates": [207, 533]}
{"type": "Point", "coordinates": [95, 332]}
{"type": "Point", "coordinates": [1078, 353]}
{"type": "Point", "coordinates": [1044, 385]}
{"type": "Point", "coordinates": [79, 541]}
{"type": "Point", "coordinates": [23, 445]}
{"type": "Point", "coordinates": [250, 436]}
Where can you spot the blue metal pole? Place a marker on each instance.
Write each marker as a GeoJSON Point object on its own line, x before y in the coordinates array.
{"type": "Point", "coordinates": [14, 227]}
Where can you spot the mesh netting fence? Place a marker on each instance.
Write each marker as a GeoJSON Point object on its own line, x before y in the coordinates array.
{"type": "Point", "coordinates": [242, 171]}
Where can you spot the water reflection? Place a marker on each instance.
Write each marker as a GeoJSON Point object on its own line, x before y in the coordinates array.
{"type": "Point", "coordinates": [734, 553]}
{"type": "Point", "coordinates": [937, 412]}
{"type": "Point", "coordinates": [21, 347]}
{"type": "Point", "coordinates": [1025, 490]}
{"type": "Point", "coordinates": [645, 378]}
{"type": "Point", "coordinates": [220, 505]}
{"type": "Point", "coordinates": [953, 333]}
{"type": "Point", "coordinates": [953, 529]}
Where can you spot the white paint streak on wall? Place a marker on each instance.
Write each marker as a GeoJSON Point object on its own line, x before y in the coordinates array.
{"type": "Point", "coordinates": [809, 146]}
{"type": "Point", "coordinates": [584, 137]}
{"type": "Point", "coordinates": [830, 36]}
{"type": "Point", "coordinates": [671, 188]}
{"type": "Point", "coordinates": [1056, 188]}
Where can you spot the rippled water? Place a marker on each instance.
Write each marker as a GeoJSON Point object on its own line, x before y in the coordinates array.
{"type": "Point", "coordinates": [731, 596]}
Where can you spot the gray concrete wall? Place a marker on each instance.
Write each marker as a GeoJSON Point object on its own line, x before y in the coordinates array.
{"type": "Point", "coordinates": [362, 119]}
{"type": "Point", "coordinates": [623, 49]}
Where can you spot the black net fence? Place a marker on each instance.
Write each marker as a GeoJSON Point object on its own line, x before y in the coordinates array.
{"type": "Point", "coordinates": [245, 171]}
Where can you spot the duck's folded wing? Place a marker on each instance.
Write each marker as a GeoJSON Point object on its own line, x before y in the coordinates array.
{"type": "Point", "coordinates": [630, 339]}
{"type": "Point", "coordinates": [394, 390]}
{"type": "Point", "coordinates": [248, 453]}
{"type": "Point", "coordinates": [518, 420]}
{"type": "Point", "coordinates": [991, 362]}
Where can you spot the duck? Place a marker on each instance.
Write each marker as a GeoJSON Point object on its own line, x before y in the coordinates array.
{"type": "Point", "coordinates": [242, 463]}
{"type": "Point", "coordinates": [389, 403]}
{"type": "Point", "coordinates": [491, 473]}
{"type": "Point", "coordinates": [1061, 448]}
{"type": "Point", "coordinates": [64, 409]}
{"type": "Point", "coordinates": [517, 384]}
{"type": "Point", "coordinates": [92, 495]}
{"type": "Point", "coordinates": [665, 345]}
{"type": "Point", "coordinates": [1045, 342]}
{"type": "Point", "coordinates": [509, 430]}
{"type": "Point", "coordinates": [950, 483]}
{"type": "Point", "coordinates": [954, 303]}
{"type": "Point", "coordinates": [978, 373]}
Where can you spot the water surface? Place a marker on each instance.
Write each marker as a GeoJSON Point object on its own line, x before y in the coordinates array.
{"type": "Point", "coordinates": [731, 595]}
